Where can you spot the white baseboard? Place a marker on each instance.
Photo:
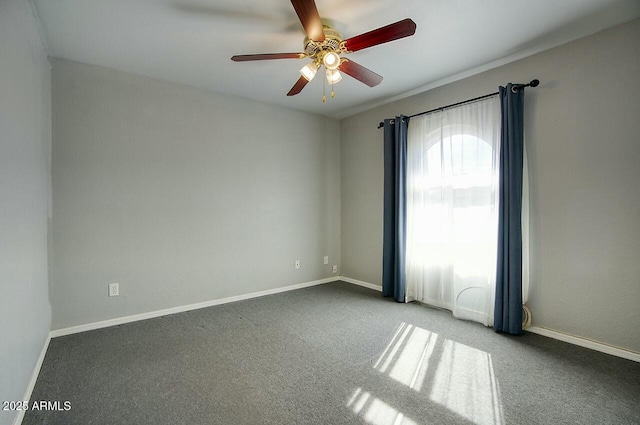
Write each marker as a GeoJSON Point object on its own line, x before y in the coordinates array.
{"type": "Point", "coordinates": [571, 339]}
{"type": "Point", "coordinates": [32, 382]}
{"type": "Point", "coordinates": [183, 308]}
{"type": "Point", "coordinates": [361, 283]}
{"type": "Point", "coordinates": [587, 343]}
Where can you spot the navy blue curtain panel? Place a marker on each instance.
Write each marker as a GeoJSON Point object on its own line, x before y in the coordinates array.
{"type": "Point", "coordinates": [508, 304]}
{"type": "Point", "coordinates": [395, 206]}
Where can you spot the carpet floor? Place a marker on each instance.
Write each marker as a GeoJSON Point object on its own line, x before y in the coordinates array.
{"type": "Point", "coordinates": [329, 354]}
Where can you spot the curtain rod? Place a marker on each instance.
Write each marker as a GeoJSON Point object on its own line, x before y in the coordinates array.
{"type": "Point", "coordinates": [532, 83]}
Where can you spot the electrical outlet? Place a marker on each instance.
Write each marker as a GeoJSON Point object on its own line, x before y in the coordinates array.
{"type": "Point", "coordinates": [326, 259]}
{"type": "Point", "coordinates": [114, 289]}
{"type": "Point", "coordinates": [297, 264]}
{"type": "Point", "coordinates": [335, 269]}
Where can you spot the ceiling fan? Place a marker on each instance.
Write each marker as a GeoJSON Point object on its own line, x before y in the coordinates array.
{"type": "Point", "coordinates": [324, 45]}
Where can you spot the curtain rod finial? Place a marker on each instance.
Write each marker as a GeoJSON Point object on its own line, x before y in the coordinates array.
{"type": "Point", "coordinates": [534, 83]}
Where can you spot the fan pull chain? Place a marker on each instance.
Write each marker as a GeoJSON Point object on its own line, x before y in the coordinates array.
{"type": "Point", "coordinates": [324, 84]}
{"type": "Point", "coordinates": [332, 93]}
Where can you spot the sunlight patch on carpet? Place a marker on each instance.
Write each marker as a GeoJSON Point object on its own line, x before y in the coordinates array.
{"type": "Point", "coordinates": [375, 411]}
{"type": "Point", "coordinates": [454, 375]}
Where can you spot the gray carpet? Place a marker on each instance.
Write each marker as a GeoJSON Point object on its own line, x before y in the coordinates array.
{"type": "Point", "coordinates": [330, 354]}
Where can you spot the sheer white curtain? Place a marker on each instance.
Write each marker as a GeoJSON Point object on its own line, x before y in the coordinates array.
{"type": "Point", "coordinates": [452, 215]}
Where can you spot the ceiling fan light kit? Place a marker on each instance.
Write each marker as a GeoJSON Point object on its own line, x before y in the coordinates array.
{"type": "Point", "coordinates": [331, 60]}
{"type": "Point", "coordinates": [333, 76]}
{"type": "Point", "coordinates": [324, 45]}
{"type": "Point", "coordinates": [309, 70]}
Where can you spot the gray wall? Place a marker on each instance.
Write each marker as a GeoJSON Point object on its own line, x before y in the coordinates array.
{"type": "Point", "coordinates": [182, 196]}
{"type": "Point", "coordinates": [25, 146]}
{"type": "Point", "coordinates": [583, 142]}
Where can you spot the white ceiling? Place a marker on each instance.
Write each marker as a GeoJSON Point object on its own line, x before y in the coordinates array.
{"type": "Point", "coordinates": [191, 41]}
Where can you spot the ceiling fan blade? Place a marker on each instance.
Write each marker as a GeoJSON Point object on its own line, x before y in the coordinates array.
{"type": "Point", "coordinates": [400, 29]}
{"type": "Point", "coordinates": [360, 73]}
{"type": "Point", "coordinates": [267, 56]}
{"type": "Point", "coordinates": [298, 86]}
{"type": "Point", "coordinates": [309, 18]}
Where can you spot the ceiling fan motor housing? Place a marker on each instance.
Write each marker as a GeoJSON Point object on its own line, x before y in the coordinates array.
{"type": "Point", "coordinates": [317, 49]}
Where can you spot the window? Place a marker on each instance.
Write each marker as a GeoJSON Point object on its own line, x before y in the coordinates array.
{"type": "Point", "coordinates": [452, 182]}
